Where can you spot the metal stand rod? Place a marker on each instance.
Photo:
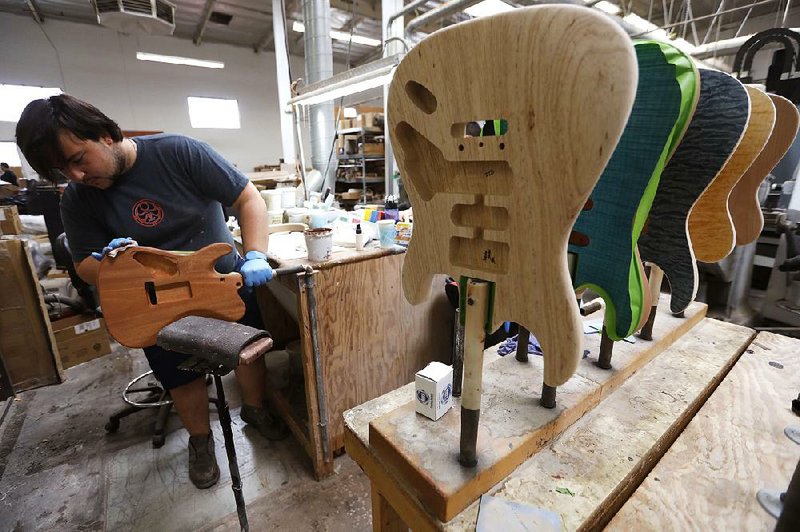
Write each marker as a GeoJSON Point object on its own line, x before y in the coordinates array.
{"type": "Point", "coordinates": [656, 277]}
{"type": "Point", "coordinates": [523, 338]}
{"type": "Point", "coordinates": [476, 309]}
{"type": "Point", "coordinates": [321, 402]}
{"type": "Point", "coordinates": [790, 516]}
{"type": "Point", "coordinates": [606, 350]}
{"type": "Point", "coordinates": [230, 450]}
{"type": "Point", "coordinates": [548, 399]}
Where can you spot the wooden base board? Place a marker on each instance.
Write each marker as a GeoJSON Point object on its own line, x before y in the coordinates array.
{"type": "Point", "coordinates": [513, 426]}
{"type": "Point", "coordinates": [733, 447]}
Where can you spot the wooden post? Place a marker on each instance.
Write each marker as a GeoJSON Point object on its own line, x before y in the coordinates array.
{"type": "Point", "coordinates": [475, 311]}
{"type": "Point", "coordinates": [656, 277]}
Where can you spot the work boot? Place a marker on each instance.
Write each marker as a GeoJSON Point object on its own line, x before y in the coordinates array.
{"type": "Point", "coordinates": [271, 427]}
{"type": "Point", "coordinates": [203, 470]}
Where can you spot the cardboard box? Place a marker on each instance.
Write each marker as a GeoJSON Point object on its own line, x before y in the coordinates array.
{"type": "Point", "coordinates": [373, 148]}
{"type": "Point", "coordinates": [369, 120]}
{"type": "Point", "coordinates": [10, 223]}
{"type": "Point", "coordinates": [434, 390]}
{"type": "Point", "coordinates": [80, 339]}
{"type": "Point", "coordinates": [27, 344]}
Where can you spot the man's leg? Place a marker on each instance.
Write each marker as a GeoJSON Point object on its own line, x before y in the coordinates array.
{"type": "Point", "coordinates": [191, 402]}
{"type": "Point", "coordinates": [252, 379]}
{"type": "Point", "coordinates": [190, 398]}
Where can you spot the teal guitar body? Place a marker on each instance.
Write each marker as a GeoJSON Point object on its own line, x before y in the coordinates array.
{"type": "Point", "coordinates": [603, 240]}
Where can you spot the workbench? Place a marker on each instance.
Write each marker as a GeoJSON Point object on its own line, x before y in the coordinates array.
{"type": "Point", "coordinates": [369, 339]}
{"type": "Point", "coordinates": [610, 430]}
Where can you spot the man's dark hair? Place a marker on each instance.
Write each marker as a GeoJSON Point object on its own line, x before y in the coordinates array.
{"type": "Point", "coordinates": [42, 120]}
{"type": "Point", "coordinates": [4, 166]}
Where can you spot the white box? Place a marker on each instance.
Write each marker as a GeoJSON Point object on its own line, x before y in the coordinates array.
{"type": "Point", "coordinates": [434, 390]}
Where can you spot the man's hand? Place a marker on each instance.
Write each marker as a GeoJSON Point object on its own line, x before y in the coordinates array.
{"type": "Point", "coordinates": [256, 270]}
{"type": "Point", "coordinates": [114, 244]}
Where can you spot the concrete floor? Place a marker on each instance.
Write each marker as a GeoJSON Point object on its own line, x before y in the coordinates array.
{"type": "Point", "coordinates": [59, 470]}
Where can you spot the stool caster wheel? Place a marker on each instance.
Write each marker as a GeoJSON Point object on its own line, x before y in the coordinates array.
{"type": "Point", "coordinates": [158, 441]}
{"type": "Point", "coordinates": [112, 426]}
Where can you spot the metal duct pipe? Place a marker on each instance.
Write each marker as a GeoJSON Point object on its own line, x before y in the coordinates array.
{"type": "Point", "coordinates": [319, 66]}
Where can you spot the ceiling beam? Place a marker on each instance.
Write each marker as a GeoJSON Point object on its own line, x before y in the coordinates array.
{"type": "Point", "coordinates": [201, 26]}
{"type": "Point", "coordinates": [365, 8]}
{"type": "Point", "coordinates": [35, 13]}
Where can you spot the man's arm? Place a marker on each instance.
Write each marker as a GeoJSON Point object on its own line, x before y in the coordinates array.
{"type": "Point", "coordinates": [252, 215]}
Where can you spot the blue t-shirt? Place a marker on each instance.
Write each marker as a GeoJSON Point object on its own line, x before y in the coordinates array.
{"type": "Point", "coordinates": [170, 199]}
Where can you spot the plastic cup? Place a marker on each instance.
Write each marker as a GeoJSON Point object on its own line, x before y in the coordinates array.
{"type": "Point", "coordinates": [319, 243]}
{"type": "Point", "coordinates": [386, 233]}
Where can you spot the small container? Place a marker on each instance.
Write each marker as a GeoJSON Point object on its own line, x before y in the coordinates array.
{"type": "Point", "coordinates": [288, 199]}
{"type": "Point", "coordinates": [272, 198]}
{"type": "Point", "coordinates": [319, 243]}
{"type": "Point", "coordinates": [359, 238]}
{"type": "Point", "coordinates": [275, 217]}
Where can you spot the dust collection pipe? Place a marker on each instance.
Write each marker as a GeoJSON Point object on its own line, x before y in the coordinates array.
{"type": "Point", "coordinates": [319, 66]}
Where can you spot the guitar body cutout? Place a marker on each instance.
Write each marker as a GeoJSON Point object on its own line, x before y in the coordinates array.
{"type": "Point", "coordinates": [719, 120]}
{"type": "Point", "coordinates": [500, 208]}
{"type": "Point", "coordinates": [143, 289]}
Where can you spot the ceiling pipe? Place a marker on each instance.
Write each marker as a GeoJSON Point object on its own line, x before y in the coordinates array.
{"type": "Point", "coordinates": [319, 67]}
{"type": "Point", "coordinates": [201, 27]}
{"type": "Point", "coordinates": [35, 13]}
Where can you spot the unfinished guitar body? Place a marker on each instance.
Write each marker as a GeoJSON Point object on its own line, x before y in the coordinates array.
{"type": "Point", "coordinates": [713, 134]}
{"type": "Point", "coordinates": [604, 236]}
{"type": "Point", "coordinates": [711, 229]}
{"type": "Point", "coordinates": [500, 208]}
{"type": "Point", "coordinates": [743, 201]}
{"type": "Point", "coordinates": [144, 289]}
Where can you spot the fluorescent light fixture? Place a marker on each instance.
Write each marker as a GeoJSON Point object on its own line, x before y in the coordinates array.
{"type": "Point", "coordinates": [299, 27]}
{"type": "Point", "coordinates": [651, 31]}
{"type": "Point", "coordinates": [14, 98]}
{"type": "Point", "coordinates": [350, 112]}
{"type": "Point", "coordinates": [487, 7]}
{"type": "Point", "coordinates": [213, 113]}
{"type": "Point", "coordinates": [177, 60]}
{"type": "Point", "coordinates": [608, 7]}
{"type": "Point", "coordinates": [359, 79]}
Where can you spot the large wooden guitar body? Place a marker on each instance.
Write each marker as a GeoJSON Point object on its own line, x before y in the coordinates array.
{"type": "Point", "coordinates": [743, 201]}
{"type": "Point", "coordinates": [605, 234]}
{"type": "Point", "coordinates": [500, 208]}
{"type": "Point", "coordinates": [715, 130]}
{"type": "Point", "coordinates": [144, 289]}
{"type": "Point", "coordinates": [711, 229]}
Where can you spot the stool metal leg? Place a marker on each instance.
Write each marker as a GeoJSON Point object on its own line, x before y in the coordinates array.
{"type": "Point", "coordinates": [230, 450]}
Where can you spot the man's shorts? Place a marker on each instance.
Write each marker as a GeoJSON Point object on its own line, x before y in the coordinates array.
{"type": "Point", "coordinates": [165, 363]}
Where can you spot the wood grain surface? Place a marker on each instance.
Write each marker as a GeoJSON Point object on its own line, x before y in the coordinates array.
{"type": "Point", "coordinates": [713, 134]}
{"type": "Point", "coordinates": [500, 208]}
{"type": "Point", "coordinates": [621, 199]}
{"type": "Point", "coordinates": [743, 201]}
{"type": "Point", "coordinates": [711, 228]}
{"type": "Point", "coordinates": [733, 447]}
{"type": "Point", "coordinates": [144, 289]}
{"type": "Point", "coordinates": [423, 452]}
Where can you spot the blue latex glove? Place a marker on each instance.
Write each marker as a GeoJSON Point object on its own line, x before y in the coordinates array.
{"type": "Point", "coordinates": [256, 270]}
{"type": "Point", "coordinates": [114, 244]}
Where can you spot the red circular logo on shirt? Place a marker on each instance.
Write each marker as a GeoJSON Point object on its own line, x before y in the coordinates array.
{"type": "Point", "coordinates": [147, 213]}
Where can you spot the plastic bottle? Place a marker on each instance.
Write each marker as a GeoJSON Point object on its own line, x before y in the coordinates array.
{"type": "Point", "coordinates": [359, 238]}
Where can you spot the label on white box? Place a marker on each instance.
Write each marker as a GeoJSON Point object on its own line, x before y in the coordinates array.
{"type": "Point", "coordinates": [87, 326]}
{"type": "Point", "coordinates": [2, 215]}
{"type": "Point", "coordinates": [434, 390]}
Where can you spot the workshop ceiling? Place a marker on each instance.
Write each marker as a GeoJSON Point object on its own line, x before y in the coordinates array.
{"type": "Point", "coordinates": [248, 23]}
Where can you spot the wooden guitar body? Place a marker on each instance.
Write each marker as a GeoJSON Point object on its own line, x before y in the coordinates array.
{"type": "Point", "coordinates": [711, 229]}
{"type": "Point", "coordinates": [500, 208]}
{"type": "Point", "coordinates": [743, 201]}
{"type": "Point", "coordinates": [144, 289]}
{"type": "Point", "coordinates": [715, 130]}
{"type": "Point", "coordinates": [605, 234]}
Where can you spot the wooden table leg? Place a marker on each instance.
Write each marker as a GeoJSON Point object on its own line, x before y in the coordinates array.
{"type": "Point", "coordinates": [384, 518]}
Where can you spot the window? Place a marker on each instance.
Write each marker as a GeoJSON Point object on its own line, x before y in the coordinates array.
{"type": "Point", "coordinates": [213, 113]}
{"type": "Point", "coordinates": [9, 153]}
{"type": "Point", "coordinates": [14, 98]}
